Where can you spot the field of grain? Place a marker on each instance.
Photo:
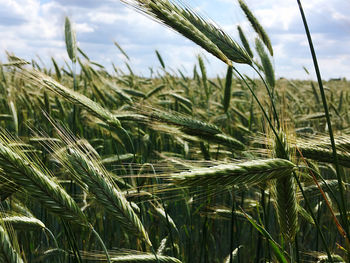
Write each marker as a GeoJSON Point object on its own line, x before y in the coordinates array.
{"type": "Point", "coordinates": [100, 166]}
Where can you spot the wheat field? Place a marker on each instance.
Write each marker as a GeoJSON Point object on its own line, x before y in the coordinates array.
{"type": "Point", "coordinates": [109, 166]}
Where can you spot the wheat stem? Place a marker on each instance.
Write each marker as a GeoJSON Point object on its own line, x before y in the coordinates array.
{"type": "Point", "coordinates": [329, 124]}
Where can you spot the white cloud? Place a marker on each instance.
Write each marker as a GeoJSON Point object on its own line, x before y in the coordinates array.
{"type": "Point", "coordinates": [104, 17]}
{"type": "Point", "coordinates": [30, 27]}
{"type": "Point", "coordinates": [84, 28]}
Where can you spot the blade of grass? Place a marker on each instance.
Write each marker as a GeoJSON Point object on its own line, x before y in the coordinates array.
{"type": "Point", "coordinates": [343, 209]}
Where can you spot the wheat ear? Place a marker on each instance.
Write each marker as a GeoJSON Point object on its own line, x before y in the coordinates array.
{"type": "Point", "coordinates": [145, 258]}
{"type": "Point", "coordinates": [195, 28]}
{"type": "Point", "coordinates": [322, 154]}
{"type": "Point", "coordinates": [225, 175]}
{"type": "Point", "coordinates": [195, 127]}
{"type": "Point", "coordinates": [266, 64]}
{"type": "Point", "coordinates": [256, 25]}
{"type": "Point", "coordinates": [71, 42]}
{"type": "Point", "coordinates": [325, 259]}
{"type": "Point", "coordinates": [90, 173]}
{"type": "Point", "coordinates": [23, 222]}
{"type": "Point", "coordinates": [39, 186]}
{"type": "Point", "coordinates": [285, 189]}
{"type": "Point", "coordinates": [170, 15]}
{"type": "Point", "coordinates": [73, 96]}
{"type": "Point", "coordinates": [244, 41]}
{"type": "Point", "coordinates": [7, 253]}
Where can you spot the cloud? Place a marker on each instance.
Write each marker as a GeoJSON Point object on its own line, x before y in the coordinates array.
{"type": "Point", "coordinates": [329, 25]}
{"type": "Point", "coordinates": [87, 4]}
{"type": "Point", "coordinates": [30, 27]}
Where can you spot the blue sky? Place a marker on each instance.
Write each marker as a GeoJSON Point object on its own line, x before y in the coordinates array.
{"type": "Point", "coordinates": [32, 27]}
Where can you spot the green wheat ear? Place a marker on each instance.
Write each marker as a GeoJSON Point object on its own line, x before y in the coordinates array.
{"type": "Point", "coordinates": [238, 174]}
{"type": "Point", "coordinates": [90, 174]}
{"type": "Point", "coordinates": [244, 41]}
{"type": "Point", "coordinates": [37, 182]}
{"type": "Point", "coordinates": [75, 97]}
{"type": "Point", "coordinates": [228, 88]}
{"type": "Point", "coordinates": [7, 253]}
{"type": "Point", "coordinates": [23, 222]}
{"type": "Point", "coordinates": [256, 25]}
{"type": "Point", "coordinates": [325, 259]}
{"type": "Point", "coordinates": [71, 42]}
{"type": "Point", "coordinates": [285, 190]}
{"type": "Point", "coordinates": [266, 64]}
{"type": "Point", "coordinates": [194, 27]}
{"type": "Point", "coordinates": [145, 258]}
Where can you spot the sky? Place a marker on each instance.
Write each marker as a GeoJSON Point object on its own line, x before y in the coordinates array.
{"type": "Point", "coordinates": [32, 28]}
